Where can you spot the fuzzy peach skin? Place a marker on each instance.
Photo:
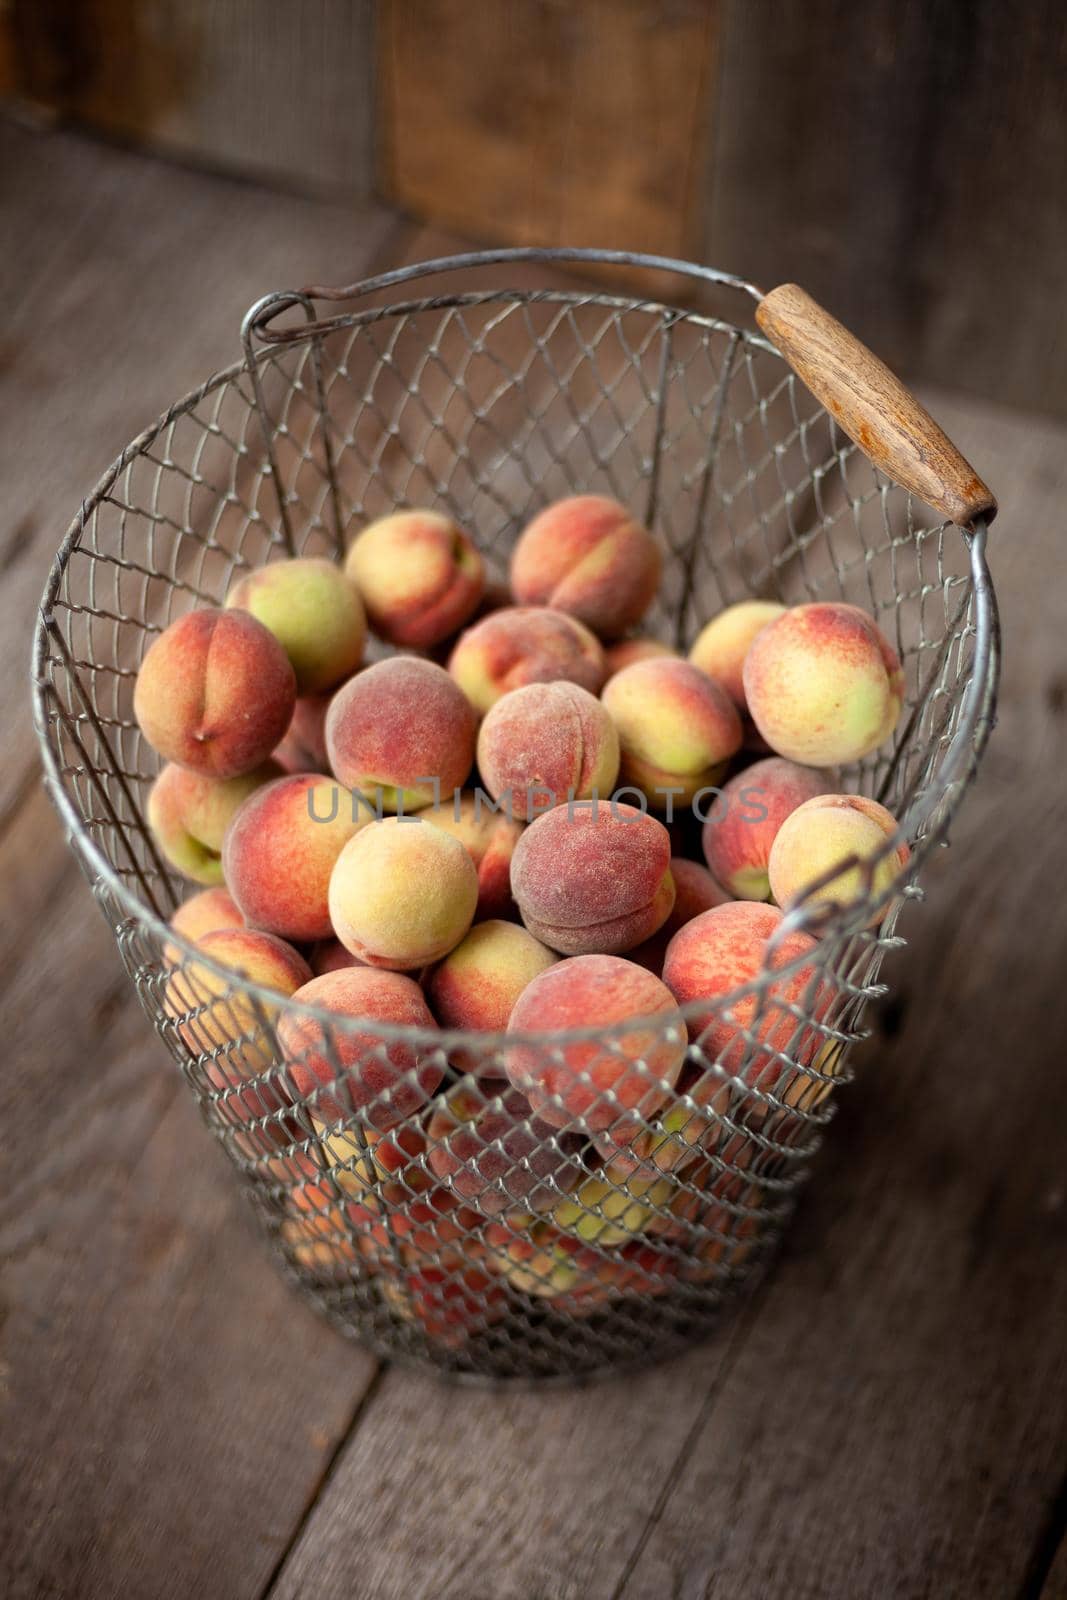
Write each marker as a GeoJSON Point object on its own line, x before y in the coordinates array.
{"type": "Point", "coordinates": [315, 614]}
{"type": "Point", "coordinates": [477, 985]}
{"type": "Point", "coordinates": [724, 948]}
{"type": "Point", "coordinates": [677, 728]}
{"type": "Point", "coordinates": [544, 744]}
{"type": "Point", "coordinates": [824, 685]}
{"type": "Point", "coordinates": [395, 728]}
{"type": "Point", "coordinates": [402, 894]}
{"type": "Point", "coordinates": [588, 1078]}
{"type": "Point", "coordinates": [742, 825]}
{"type": "Point", "coordinates": [304, 747]}
{"type": "Point", "coordinates": [496, 1155]}
{"type": "Point", "coordinates": [330, 955]}
{"type": "Point", "coordinates": [209, 911]}
{"type": "Point", "coordinates": [489, 838]}
{"type": "Point", "coordinates": [521, 645]}
{"type": "Point", "coordinates": [589, 557]}
{"type": "Point", "coordinates": [824, 831]}
{"type": "Point", "coordinates": [720, 647]}
{"type": "Point", "coordinates": [419, 574]}
{"type": "Point", "coordinates": [281, 848]}
{"type": "Point", "coordinates": [339, 1072]}
{"type": "Point", "coordinates": [695, 890]}
{"type": "Point", "coordinates": [593, 877]}
{"type": "Point", "coordinates": [189, 813]}
{"type": "Point", "coordinates": [627, 651]}
{"type": "Point", "coordinates": [215, 693]}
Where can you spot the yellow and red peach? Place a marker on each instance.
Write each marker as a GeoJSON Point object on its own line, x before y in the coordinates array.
{"type": "Point", "coordinates": [477, 984]}
{"type": "Point", "coordinates": [189, 812]}
{"type": "Point", "coordinates": [215, 692]}
{"type": "Point", "coordinates": [209, 911]}
{"type": "Point", "coordinates": [340, 1071]}
{"type": "Point", "coordinates": [544, 744]}
{"type": "Point", "coordinates": [610, 1208]}
{"type": "Point", "coordinates": [304, 747]}
{"type": "Point", "coordinates": [593, 877]}
{"type": "Point", "coordinates": [742, 825]}
{"type": "Point", "coordinates": [489, 838]}
{"type": "Point", "coordinates": [677, 727]}
{"type": "Point", "coordinates": [731, 946]}
{"type": "Point", "coordinates": [824, 685]}
{"type": "Point", "coordinates": [596, 1080]}
{"type": "Point", "coordinates": [315, 614]}
{"type": "Point", "coordinates": [627, 651]}
{"type": "Point", "coordinates": [589, 557]}
{"type": "Point", "coordinates": [673, 1137]}
{"type": "Point", "coordinates": [524, 644]}
{"type": "Point", "coordinates": [419, 574]}
{"type": "Point", "coordinates": [826, 831]}
{"type": "Point", "coordinates": [402, 732]}
{"type": "Point", "coordinates": [330, 955]}
{"type": "Point", "coordinates": [281, 848]}
{"type": "Point", "coordinates": [695, 890]}
{"type": "Point", "coordinates": [720, 647]}
{"type": "Point", "coordinates": [402, 894]}
{"type": "Point", "coordinates": [496, 1155]}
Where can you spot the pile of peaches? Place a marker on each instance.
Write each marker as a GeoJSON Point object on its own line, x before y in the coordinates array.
{"type": "Point", "coordinates": [528, 818]}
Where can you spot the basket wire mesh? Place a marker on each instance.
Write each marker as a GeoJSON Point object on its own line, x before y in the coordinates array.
{"type": "Point", "coordinates": [448, 1226]}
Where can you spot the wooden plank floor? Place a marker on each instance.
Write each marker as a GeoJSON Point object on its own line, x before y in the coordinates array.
{"type": "Point", "coordinates": [887, 1419]}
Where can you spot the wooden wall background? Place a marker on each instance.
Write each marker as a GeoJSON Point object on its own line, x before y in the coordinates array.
{"type": "Point", "coordinates": [906, 160]}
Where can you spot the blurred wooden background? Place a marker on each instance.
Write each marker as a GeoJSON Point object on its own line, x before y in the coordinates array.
{"type": "Point", "coordinates": [906, 160]}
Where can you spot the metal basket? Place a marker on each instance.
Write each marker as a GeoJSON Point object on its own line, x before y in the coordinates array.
{"type": "Point", "coordinates": [490, 1249]}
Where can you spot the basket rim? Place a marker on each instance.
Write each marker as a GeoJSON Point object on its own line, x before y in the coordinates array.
{"type": "Point", "coordinates": [967, 745]}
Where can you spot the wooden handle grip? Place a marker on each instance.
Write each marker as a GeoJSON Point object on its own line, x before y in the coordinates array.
{"type": "Point", "coordinates": [872, 405]}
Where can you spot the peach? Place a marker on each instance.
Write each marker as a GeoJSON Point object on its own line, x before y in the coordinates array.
{"type": "Point", "coordinates": [304, 747]}
{"type": "Point", "coordinates": [540, 1261]}
{"type": "Point", "coordinates": [544, 744]}
{"type": "Point", "coordinates": [695, 890]}
{"type": "Point", "coordinates": [330, 955]}
{"type": "Point", "coordinates": [452, 1303]}
{"type": "Point", "coordinates": [189, 812]}
{"type": "Point", "coordinates": [610, 1208]}
{"type": "Point", "coordinates": [593, 877]}
{"type": "Point", "coordinates": [677, 727]}
{"type": "Point", "coordinates": [742, 825]}
{"type": "Point", "coordinates": [720, 647]}
{"type": "Point", "coordinates": [730, 946]}
{"type": "Point", "coordinates": [496, 1155]}
{"type": "Point", "coordinates": [826, 831]}
{"type": "Point", "coordinates": [627, 651]}
{"type": "Point", "coordinates": [207, 912]}
{"type": "Point", "coordinates": [215, 692]}
{"type": "Point", "coordinates": [520, 645]}
{"type": "Point", "coordinates": [489, 838]}
{"type": "Point", "coordinates": [280, 850]}
{"type": "Point", "coordinates": [419, 575]}
{"type": "Point", "coordinates": [344, 1071]}
{"type": "Point", "coordinates": [595, 1080]}
{"type": "Point", "coordinates": [674, 1137]}
{"type": "Point", "coordinates": [824, 685]}
{"type": "Point", "coordinates": [589, 557]}
{"type": "Point", "coordinates": [402, 732]}
{"type": "Point", "coordinates": [315, 614]}
{"type": "Point", "coordinates": [477, 984]}
{"type": "Point", "coordinates": [402, 894]}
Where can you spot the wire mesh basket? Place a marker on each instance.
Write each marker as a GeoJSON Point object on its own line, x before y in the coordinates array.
{"type": "Point", "coordinates": [437, 1219]}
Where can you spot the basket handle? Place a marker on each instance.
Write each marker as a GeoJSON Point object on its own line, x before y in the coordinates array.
{"type": "Point", "coordinates": [873, 407]}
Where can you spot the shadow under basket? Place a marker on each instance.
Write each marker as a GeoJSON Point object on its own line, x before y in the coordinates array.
{"type": "Point", "coordinates": [453, 1234]}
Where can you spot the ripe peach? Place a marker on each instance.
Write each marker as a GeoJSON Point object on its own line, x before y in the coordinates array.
{"type": "Point", "coordinates": [827, 830]}
{"type": "Point", "coordinates": [419, 575]}
{"type": "Point", "coordinates": [189, 812]}
{"type": "Point", "coordinates": [610, 1208]}
{"type": "Point", "coordinates": [544, 744]}
{"type": "Point", "coordinates": [741, 827]}
{"type": "Point", "coordinates": [677, 727]}
{"type": "Point", "coordinates": [730, 946]}
{"type": "Point", "coordinates": [341, 1071]}
{"type": "Point", "coordinates": [397, 729]}
{"type": "Point", "coordinates": [593, 877]}
{"type": "Point", "coordinates": [280, 850]}
{"type": "Point", "coordinates": [402, 894]}
{"type": "Point", "coordinates": [304, 747]}
{"type": "Point", "coordinates": [720, 647]}
{"type": "Point", "coordinates": [521, 645]}
{"type": "Point", "coordinates": [330, 955]}
{"type": "Point", "coordinates": [824, 685]}
{"type": "Point", "coordinates": [452, 1303]}
{"type": "Point", "coordinates": [627, 651]}
{"type": "Point", "coordinates": [587, 556]}
{"type": "Point", "coordinates": [315, 614]}
{"type": "Point", "coordinates": [496, 1155]}
{"type": "Point", "coordinates": [209, 911]}
{"type": "Point", "coordinates": [674, 1136]}
{"type": "Point", "coordinates": [477, 985]}
{"type": "Point", "coordinates": [695, 890]}
{"type": "Point", "coordinates": [596, 1079]}
{"type": "Point", "coordinates": [215, 692]}
{"type": "Point", "coordinates": [489, 838]}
